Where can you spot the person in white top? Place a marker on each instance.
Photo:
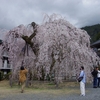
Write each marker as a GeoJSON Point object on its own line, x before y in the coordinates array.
{"type": "Point", "coordinates": [82, 83]}
{"type": "Point", "coordinates": [98, 78]}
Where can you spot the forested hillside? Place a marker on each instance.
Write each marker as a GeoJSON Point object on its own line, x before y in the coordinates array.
{"type": "Point", "coordinates": [93, 31]}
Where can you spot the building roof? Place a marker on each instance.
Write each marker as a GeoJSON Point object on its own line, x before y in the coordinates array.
{"type": "Point", "coordinates": [0, 41]}
{"type": "Point", "coordinates": [96, 44]}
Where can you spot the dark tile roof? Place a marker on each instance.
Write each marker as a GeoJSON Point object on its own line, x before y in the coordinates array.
{"type": "Point", "coordinates": [96, 44]}
{"type": "Point", "coordinates": [0, 41]}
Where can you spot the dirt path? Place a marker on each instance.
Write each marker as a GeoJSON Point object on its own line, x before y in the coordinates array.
{"type": "Point", "coordinates": [52, 94]}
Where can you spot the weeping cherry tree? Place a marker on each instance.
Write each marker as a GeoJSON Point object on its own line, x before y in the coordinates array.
{"type": "Point", "coordinates": [54, 48]}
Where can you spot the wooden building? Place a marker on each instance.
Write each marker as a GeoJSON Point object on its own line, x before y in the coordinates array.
{"type": "Point", "coordinates": [4, 60]}
{"type": "Point", "coordinates": [96, 47]}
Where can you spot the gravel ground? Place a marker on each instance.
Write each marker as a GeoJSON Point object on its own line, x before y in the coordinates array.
{"type": "Point", "coordinates": [91, 94]}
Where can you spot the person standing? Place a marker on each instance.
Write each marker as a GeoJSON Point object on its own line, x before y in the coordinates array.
{"type": "Point", "coordinates": [98, 78]}
{"type": "Point", "coordinates": [22, 77]}
{"type": "Point", "coordinates": [83, 81]}
{"type": "Point", "coordinates": [94, 74]}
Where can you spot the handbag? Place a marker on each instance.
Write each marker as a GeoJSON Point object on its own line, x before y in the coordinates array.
{"type": "Point", "coordinates": [80, 79]}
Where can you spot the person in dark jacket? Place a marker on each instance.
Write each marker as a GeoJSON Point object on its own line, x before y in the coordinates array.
{"type": "Point", "coordinates": [95, 78]}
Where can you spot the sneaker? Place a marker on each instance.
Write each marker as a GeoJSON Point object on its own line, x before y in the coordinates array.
{"type": "Point", "coordinates": [94, 87]}
{"type": "Point", "coordinates": [22, 91]}
{"type": "Point", "coordinates": [82, 95]}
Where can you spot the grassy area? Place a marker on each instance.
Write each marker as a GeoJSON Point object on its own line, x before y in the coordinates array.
{"type": "Point", "coordinates": [40, 87]}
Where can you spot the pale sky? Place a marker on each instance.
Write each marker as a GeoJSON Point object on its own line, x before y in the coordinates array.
{"type": "Point", "coordinates": [79, 13]}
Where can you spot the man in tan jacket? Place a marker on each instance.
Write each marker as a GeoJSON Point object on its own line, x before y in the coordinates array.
{"type": "Point", "coordinates": [22, 77]}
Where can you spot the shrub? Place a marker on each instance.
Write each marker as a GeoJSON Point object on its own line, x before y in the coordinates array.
{"type": "Point", "coordinates": [6, 76]}
{"type": "Point", "coordinates": [1, 75]}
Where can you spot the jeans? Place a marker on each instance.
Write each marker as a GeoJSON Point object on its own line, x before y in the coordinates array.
{"type": "Point", "coordinates": [94, 82]}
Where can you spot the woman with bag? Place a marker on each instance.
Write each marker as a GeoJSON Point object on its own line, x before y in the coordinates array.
{"type": "Point", "coordinates": [82, 82]}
